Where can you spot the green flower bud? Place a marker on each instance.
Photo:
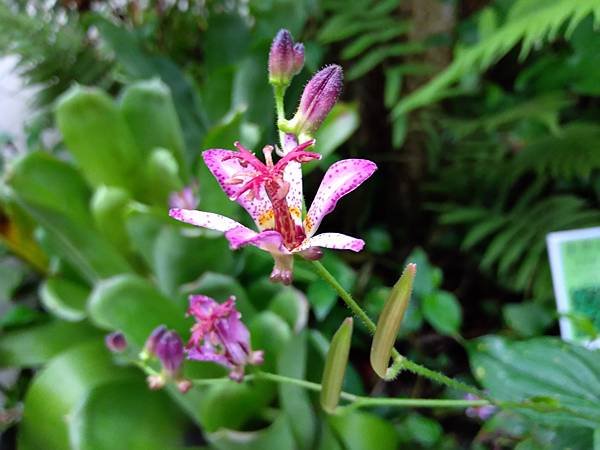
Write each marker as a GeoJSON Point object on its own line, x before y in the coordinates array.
{"type": "Point", "coordinates": [335, 366]}
{"type": "Point", "coordinates": [390, 320]}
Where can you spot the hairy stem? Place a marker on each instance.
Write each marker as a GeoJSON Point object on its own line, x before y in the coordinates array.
{"type": "Point", "coordinates": [400, 361]}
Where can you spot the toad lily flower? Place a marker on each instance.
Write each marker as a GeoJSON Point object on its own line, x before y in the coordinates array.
{"type": "Point", "coordinates": [220, 336]}
{"type": "Point", "coordinates": [272, 195]}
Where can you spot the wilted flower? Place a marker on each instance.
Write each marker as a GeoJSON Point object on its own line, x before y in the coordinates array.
{"type": "Point", "coordinates": [319, 96]}
{"type": "Point", "coordinates": [272, 195]}
{"type": "Point", "coordinates": [285, 59]}
{"type": "Point", "coordinates": [115, 342]}
{"type": "Point", "coordinates": [220, 336]}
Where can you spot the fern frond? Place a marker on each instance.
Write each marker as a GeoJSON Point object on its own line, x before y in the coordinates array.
{"type": "Point", "coordinates": [533, 27]}
{"type": "Point", "coordinates": [573, 153]}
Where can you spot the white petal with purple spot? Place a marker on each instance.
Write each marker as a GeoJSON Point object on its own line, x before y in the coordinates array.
{"type": "Point", "coordinates": [336, 241]}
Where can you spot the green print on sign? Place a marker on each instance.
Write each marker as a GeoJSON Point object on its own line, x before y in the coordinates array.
{"type": "Point", "coordinates": [575, 261]}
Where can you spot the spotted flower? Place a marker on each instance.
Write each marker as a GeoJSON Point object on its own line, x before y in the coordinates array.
{"type": "Point", "coordinates": [220, 336]}
{"type": "Point", "coordinates": [272, 195]}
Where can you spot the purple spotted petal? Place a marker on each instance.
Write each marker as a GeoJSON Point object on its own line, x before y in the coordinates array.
{"type": "Point", "coordinates": [223, 171]}
{"type": "Point", "coordinates": [336, 241]}
{"type": "Point", "coordinates": [341, 178]}
{"type": "Point", "coordinates": [203, 219]}
{"type": "Point", "coordinates": [270, 241]}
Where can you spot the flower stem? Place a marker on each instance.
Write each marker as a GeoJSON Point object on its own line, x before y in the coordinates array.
{"type": "Point", "coordinates": [400, 361]}
{"type": "Point", "coordinates": [357, 401]}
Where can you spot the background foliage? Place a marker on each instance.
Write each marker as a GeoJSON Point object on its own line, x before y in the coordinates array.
{"type": "Point", "coordinates": [483, 120]}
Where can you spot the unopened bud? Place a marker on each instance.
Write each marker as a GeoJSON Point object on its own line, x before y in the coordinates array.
{"type": "Point", "coordinates": [285, 59]}
{"type": "Point", "coordinates": [390, 320]}
{"type": "Point", "coordinates": [170, 352]}
{"type": "Point", "coordinates": [116, 342]}
{"type": "Point", "coordinates": [155, 382]}
{"type": "Point", "coordinates": [152, 342]}
{"type": "Point", "coordinates": [319, 96]}
{"type": "Point", "coordinates": [335, 367]}
{"type": "Point", "coordinates": [184, 385]}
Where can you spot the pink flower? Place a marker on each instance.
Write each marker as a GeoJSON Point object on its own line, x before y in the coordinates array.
{"type": "Point", "coordinates": [220, 336]}
{"type": "Point", "coordinates": [272, 195]}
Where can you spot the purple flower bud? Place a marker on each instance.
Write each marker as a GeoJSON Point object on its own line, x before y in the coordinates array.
{"type": "Point", "coordinates": [319, 96]}
{"type": "Point", "coordinates": [152, 341]}
{"type": "Point", "coordinates": [285, 58]}
{"type": "Point", "coordinates": [115, 342]}
{"type": "Point", "coordinates": [169, 350]}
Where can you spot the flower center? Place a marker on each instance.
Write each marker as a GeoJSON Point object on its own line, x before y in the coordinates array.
{"type": "Point", "coordinates": [270, 176]}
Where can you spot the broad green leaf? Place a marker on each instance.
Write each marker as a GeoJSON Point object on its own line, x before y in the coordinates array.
{"type": "Point", "coordinates": [425, 280]}
{"type": "Point", "coordinates": [54, 194]}
{"type": "Point", "coordinates": [126, 414]}
{"type": "Point", "coordinates": [527, 319]}
{"type": "Point", "coordinates": [59, 388]}
{"type": "Point", "coordinates": [269, 333]}
{"type": "Point", "coordinates": [97, 136]}
{"type": "Point", "coordinates": [139, 64]}
{"type": "Point", "coordinates": [43, 180]}
{"type": "Point", "coordinates": [19, 316]}
{"type": "Point", "coordinates": [150, 114]}
{"type": "Point", "coordinates": [364, 431]}
{"type": "Point", "coordinates": [421, 429]}
{"type": "Point", "coordinates": [108, 207]}
{"type": "Point", "coordinates": [161, 177]}
{"type": "Point", "coordinates": [180, 259]}
{"type": "Point", "coordinates": [561, 379]}
{"type": "Point", "coordinates": [65, 299]}
{"type": "Point", "coordinates": [442, 310]}
{"type": "Point", "coordinates": [37, 344]}
{"type": "Point", "coordinates": [12, 272]}
{"type": "Point", "coordinates": [276, 436]}
{"type": "Point", "coordinates": [292, 305]}
{"type": "Point", "coordinates": [295, 400]}
{"type": "Point", "coordinates": [321, 296]}
{"type": "Point", "coordinates": [131, 304]}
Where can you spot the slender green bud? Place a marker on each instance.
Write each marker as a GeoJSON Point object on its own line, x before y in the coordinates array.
{"type": "Point", "coordinates": [335, 366]}
{"type": "Point", "coordinates": [390, 320]}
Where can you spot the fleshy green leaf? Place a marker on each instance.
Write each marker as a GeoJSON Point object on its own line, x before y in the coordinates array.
{"type": "Point", "coordinates": [364, 431]}
{"type": "Point", "coordinates": [37, 344]}
{"type": "Point", "coordinates": [442, 310]}
{"type": "Point", "coordinates": [560, 380]}
{"type": "Point", "coordinates": [65, 299]}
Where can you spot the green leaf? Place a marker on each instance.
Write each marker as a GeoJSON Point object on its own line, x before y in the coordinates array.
{"type": "Point", "coordinates": [160, 177]}
{"type": "Point", "coordinates": [131, 304]}
{"type": "Point", "coordinates": [321, 296]}
{"type": "Point", "coordinates": [37, 344]}
{"type": "Point", "coordinates": [364, 431]}
{"type": "Point", "coordinates": [291, 305]}
{"type": "Point", "coordinates": [421, 429]}
{"type": "Point", "coordinates": [277, 436]}
{"type": "Point", "coordinates": [179, 259]}
{"type": "Point", "coordinates": [43, 180]}
{"type": "Point", "coordinates": [295, 401]}
{"type": "Point", "coordinates": [150, 114]}
{"type": "Point", "coordinates": [269, 333]}
{"type": "Point", "coordinates": [54, 194]}
{"type": "Point", "coordinates": [442, 310]}
{"type": "Point", "coordinates": [97, 136]}
{"type": "Point", "coordinates": [65, 299]}
{"type": "Point", "coordinates": [559, 381]}
{"type": "Point", "coordinates": [12, 272]}
{"type": "Point", "coordinates": [126, 414]}
{"type": "Point", "coordinates": [527, 319]}
{"type": "Point", "coordinates": [108, 207]}
{"type": "Point", "coordinates": [59, 388]}
{"type": "Point", "coordinates": [20, 315]}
